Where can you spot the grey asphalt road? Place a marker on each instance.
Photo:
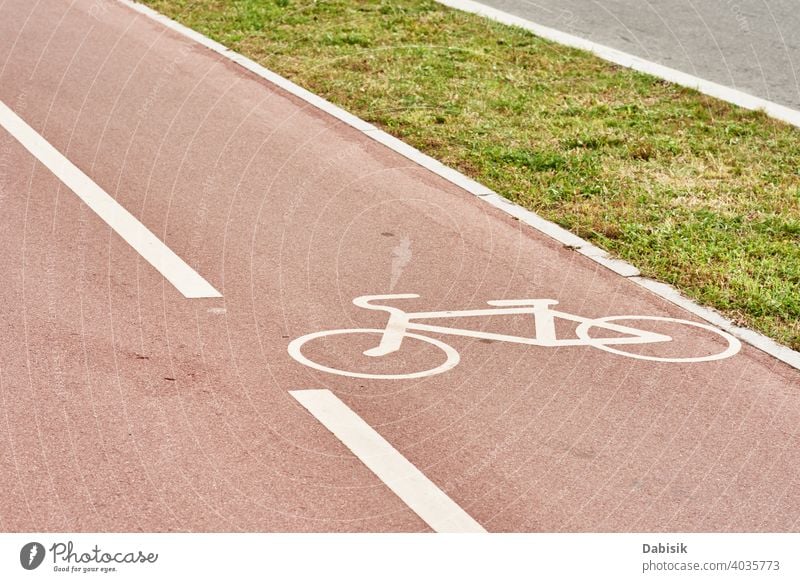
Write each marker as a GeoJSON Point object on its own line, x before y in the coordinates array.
{"type": "Point", "coordinates": [750, 45]}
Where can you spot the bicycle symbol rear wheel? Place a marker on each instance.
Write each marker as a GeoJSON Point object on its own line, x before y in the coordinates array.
{"type": "Point", "coordinates": [452, 357]}
{"type": "Point", "coordinates": [733, 345]}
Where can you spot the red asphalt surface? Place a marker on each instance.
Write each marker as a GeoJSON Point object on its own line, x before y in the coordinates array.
{"type": "Point", "coordinates": [125, 406]}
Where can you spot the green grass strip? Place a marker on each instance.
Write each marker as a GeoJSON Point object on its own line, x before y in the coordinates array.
{"type": "Point", "coordinates": [691, 190]}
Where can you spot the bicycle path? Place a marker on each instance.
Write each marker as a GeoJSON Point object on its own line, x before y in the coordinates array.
{"type": "Point", "coordinates": [128, 405]}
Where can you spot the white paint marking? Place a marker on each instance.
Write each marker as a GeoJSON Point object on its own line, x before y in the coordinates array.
{"type": "Point", "coordinates": [532, 219]}
{"type": "Point", "coordinates": [149, 246]}
{"type": "Point", "coordinates": [624, 59]}
{"type": "Point", "coordinates": [429, 502]}
{"type": "Point", "coordinates": [400, 322]}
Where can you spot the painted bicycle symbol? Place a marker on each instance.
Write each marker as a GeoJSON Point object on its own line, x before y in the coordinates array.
{"type": "Point", "coordinates": [400, 324]}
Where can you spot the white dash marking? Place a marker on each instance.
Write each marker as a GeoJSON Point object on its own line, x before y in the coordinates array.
{"type": "Point", "coordinates": [149, 246]}
{"type": "Point", "coordinates": [424, 498]}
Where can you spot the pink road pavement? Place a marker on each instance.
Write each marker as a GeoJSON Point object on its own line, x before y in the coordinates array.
{"type": "Point", "coordinates": [127, 406]}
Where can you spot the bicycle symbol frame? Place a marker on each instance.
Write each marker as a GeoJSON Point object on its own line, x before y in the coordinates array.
{"type": "Point", "coordinates": [400, 323]}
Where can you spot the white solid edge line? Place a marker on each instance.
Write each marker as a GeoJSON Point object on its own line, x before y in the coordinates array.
{"type": "Point", "coordinates": [149, 246]}
{"type": "Point", "coordinates": [763, 343]}
{"type": "Point", "coordinates": [424, 498]}
{"type": "Point", "coordinates": [624, 59]}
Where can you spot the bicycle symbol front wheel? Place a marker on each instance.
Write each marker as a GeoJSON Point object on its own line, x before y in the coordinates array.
{"type": "Point", "coordinates": [732, 345]}
{"type": "Point", "coordinates": [451, 355]}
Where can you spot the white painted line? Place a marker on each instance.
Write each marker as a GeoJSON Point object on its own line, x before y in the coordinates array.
{"type": "Point", "coordinates": [424, 498]}
{"type": "Point", "coordinates": [546, 227]}
{"type": "Point", "coordinates": [624, 59]}
{"type": "Point", "coordinates": [149, 246]}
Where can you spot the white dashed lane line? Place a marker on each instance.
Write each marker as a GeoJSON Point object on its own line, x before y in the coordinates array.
{"type": "Point", "coordinates": [424, 498]}
{"type": "Point", "coordinates": [149, 246]}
